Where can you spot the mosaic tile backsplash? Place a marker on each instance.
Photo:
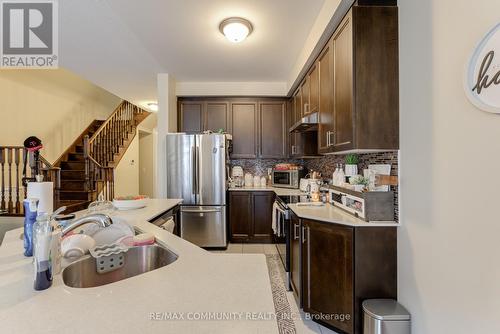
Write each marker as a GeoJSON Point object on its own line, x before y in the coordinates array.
{"type": "Point", "coordinates": [259, 166]}
{"type": "Point", "coordinates": [326, 166]}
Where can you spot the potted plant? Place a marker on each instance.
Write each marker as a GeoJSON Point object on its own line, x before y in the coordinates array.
{"type": "Point", "coordinates": [351, 164]}
{"type": "Point", "coordinates": [359, 182]}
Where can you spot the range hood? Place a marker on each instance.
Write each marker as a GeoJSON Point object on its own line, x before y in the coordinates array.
{"type": "Point", "coordinates": [306, 123]}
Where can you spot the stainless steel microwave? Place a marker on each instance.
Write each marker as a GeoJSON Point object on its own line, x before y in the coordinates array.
{"type": "Point", "coordinates": [286, 178]}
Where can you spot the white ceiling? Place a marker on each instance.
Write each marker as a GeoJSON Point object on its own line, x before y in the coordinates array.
{"type": "Point", "coordinates": [122, 45]}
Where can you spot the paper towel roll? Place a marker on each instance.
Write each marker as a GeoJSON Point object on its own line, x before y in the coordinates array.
{"type": "Point", "coordinates": [44, 191]}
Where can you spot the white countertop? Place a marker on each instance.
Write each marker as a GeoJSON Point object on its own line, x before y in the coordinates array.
{"type": "Point", "coordinates": [327, 213]}
{"type": "Point", "coordinates": [199, 281]}
{"type": "Point", "coordinates": [331, 214]}
{"type": "Point", "coordinates": [278, 191]}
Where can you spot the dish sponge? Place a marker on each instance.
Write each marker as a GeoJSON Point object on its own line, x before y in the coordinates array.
{"type": "Point", "coordinates": [144, 239]}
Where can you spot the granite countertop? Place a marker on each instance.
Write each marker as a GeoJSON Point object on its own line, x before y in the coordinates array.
{"type": "Point", "coordinates": [199, 281]}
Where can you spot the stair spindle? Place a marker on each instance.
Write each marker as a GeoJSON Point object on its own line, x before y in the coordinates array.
{"type": "Point", "coordinates": [17, 152]}
{"type": "Point", "coordinates": [2, 164]}
{"type": "Point", "coordinates": [9, 170]}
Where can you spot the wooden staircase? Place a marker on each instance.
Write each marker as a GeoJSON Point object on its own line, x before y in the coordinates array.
{"type": "Point", "coordinates": [87, 167]}
{"type": "Point", "coordinates": [84, 172]}
{"type": "Point", "coordinates": [73, 192]}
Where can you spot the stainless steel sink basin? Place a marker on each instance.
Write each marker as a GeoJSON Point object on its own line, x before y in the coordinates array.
{"type": "Point", "coordinates": [138, 260]}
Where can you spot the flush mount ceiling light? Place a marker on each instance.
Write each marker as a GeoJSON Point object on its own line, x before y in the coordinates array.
{"type": "Point", "coordinates": [236, 29]}
{"type": "Point", "coordinates": [153, 106]}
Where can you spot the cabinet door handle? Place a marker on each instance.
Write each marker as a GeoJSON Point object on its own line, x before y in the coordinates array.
{"type": "Point", "coordinates": [295, 231]}
{"type": "Point", "coordinates": [330, 141]}
{"type": "Point", "coordinates": [304, 234]}
{"type": "Point", "coordinates": [328, 138]}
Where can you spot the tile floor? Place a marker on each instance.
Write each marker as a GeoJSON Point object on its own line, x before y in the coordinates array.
{"type": "Point", "coordinates": [302, 325]}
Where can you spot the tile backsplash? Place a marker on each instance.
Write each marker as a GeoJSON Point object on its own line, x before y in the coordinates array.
{"type": "Point", "coordinates": [259, 166]}
{"type": "Point", "coordinates": [326, 166]}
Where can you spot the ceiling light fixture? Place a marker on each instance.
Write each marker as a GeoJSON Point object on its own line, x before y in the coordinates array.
{"type": "Point", "coordinates": [236, 29]}
{"type": "Point", "coordinates": [153, 106]}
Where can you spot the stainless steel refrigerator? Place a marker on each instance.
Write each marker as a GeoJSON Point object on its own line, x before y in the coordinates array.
{"type": "Point", "coordinates": [196, 167]}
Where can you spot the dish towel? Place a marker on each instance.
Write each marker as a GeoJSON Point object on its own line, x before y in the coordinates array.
{"type": "Point", "coordinates": [273, 224]}
{"type": "Point", "coordinates": [169, 225]}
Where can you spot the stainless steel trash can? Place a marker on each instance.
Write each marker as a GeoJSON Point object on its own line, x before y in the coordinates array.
{"type": "Point", "coordinates": [385, 316]}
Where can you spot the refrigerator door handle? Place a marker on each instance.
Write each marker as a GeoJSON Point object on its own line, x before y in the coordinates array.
{"type": "Point", "coordinates": [197, 171]}
{"type": "Point", "coordinates": [201, 211]}
{"type": "Point", "coordinates": [193, 157]}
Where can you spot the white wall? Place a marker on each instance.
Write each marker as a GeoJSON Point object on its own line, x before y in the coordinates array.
{"type": "Point", "coordinates": [231, 88]}
{"type": "Point", "coordinates": [127, 171]}
{"type": "Point", "coordinates": [54, 105]}
{"type": "Point", "coordinates": [449, 275]}
{"type": "Point", "coordinates": [167, 122]}
{"type": "Point", "coordinates": [319, 26]}
{"type": "Point", "coordinates": [147, 152]}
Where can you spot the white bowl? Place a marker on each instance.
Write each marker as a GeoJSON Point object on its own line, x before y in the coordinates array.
{"type": "Point", "coordinates": [130, 204]}
{"type": "Point", "coordinates": [76, 245]}
{"type": "Point", "coordinates": [111, 234]}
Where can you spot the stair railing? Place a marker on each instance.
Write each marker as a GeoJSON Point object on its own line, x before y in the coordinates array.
{"type": "Point", "coordinates": [100, 149]}
{"type": "Point", "coordinates": [12, 190]}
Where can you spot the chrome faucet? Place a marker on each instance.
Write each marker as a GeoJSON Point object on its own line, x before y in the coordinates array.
{"type": "Point", "coordinates": [97, 218]}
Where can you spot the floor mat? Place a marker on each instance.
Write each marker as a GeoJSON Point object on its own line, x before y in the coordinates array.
{"type": "Point", "coordinates": [277, 277]}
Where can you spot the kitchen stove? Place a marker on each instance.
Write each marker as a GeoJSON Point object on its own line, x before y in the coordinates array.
{"type": "Point", "coordinates": [283, 237]}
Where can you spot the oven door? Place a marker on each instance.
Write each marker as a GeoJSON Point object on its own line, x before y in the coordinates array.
{"type": "Point", "coordinates": [282, 237]}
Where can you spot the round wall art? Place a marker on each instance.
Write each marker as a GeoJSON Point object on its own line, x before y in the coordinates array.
{"type": "Point", "coordinates": [482, 78]}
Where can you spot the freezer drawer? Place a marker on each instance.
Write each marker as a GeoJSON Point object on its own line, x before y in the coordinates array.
{"type": "Point", "coordinates": [204, 226]}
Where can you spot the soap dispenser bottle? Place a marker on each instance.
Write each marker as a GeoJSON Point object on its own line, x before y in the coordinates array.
{"type": "Point", "coordinates": [42, 237]}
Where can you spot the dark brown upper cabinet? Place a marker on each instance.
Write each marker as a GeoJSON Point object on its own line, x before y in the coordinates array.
{"type": "Point", "coordinates": [297, 106]}
{"type": "Point", "coordinates": [301, 145]}
{"type": "Point", "coordinates": [196, 116]}
{"type": "Point", "coordinates": [217, 116]}
{"type": "Point", "coordinates": [357, 78]}
{"type": "Point", "coordinates": [304, 92]}
{"type": "Point", "coordinates": [325, 127]}
{"type": "Point", "coordinates": [191, 116]}
{"type": "Point", "coordinates": [259, 125]}
{"type": "Point", "coordinates": [244, 128]}
{"type": "Point", "coordinates": [273, 130]}
{"type": "Point", "coordinates": [343, 131]}
{"type": "Point", "coordinates": [313, 89]}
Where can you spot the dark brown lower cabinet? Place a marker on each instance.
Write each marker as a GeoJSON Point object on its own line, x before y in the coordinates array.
{"type": "Point", "coordinates": [250, 215]}
{"type": "Point", "coordinates": [327, 259]}
{"type": "Point", "coordinates": [336, 267]}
